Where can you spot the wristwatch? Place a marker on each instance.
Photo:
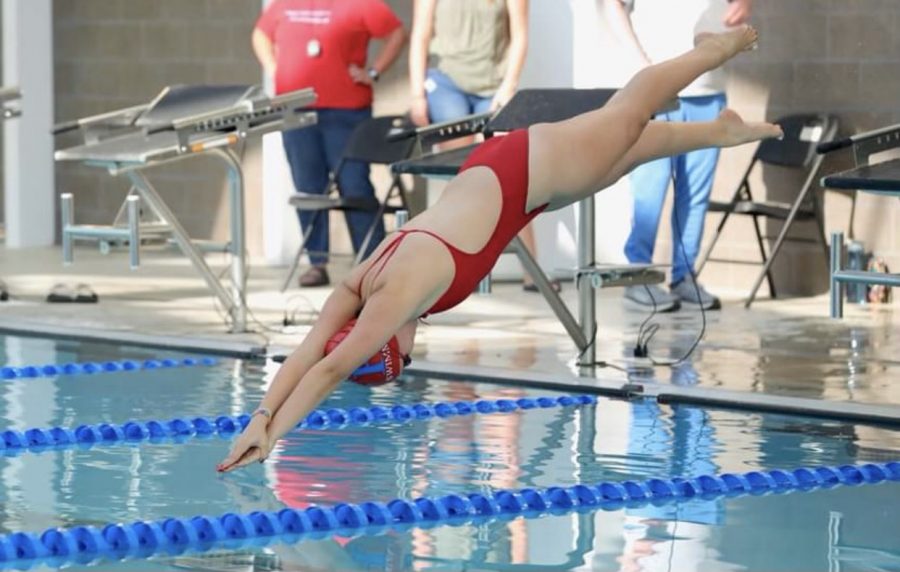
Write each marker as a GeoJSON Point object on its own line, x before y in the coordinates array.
{"type": "Point", "coordinates": [373, 74]}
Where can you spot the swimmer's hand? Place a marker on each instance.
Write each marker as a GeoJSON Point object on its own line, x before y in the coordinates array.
{"type": "Point", "coordinates": [252, 446]}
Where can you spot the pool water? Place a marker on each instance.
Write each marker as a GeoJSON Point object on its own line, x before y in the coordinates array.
{"type": "Point", "coordinates": [840, 529]}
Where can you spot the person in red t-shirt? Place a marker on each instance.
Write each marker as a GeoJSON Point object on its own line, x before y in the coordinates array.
{"type": "Point", "coordinates": [323, 44]}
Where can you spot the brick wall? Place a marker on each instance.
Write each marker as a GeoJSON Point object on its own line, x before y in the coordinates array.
{"type": "Point", "coordinates": [838, 56]}
{"type": "Point", "coordinates": [116, 53]}
{"type": "Point", "coordinates": [835, 56]}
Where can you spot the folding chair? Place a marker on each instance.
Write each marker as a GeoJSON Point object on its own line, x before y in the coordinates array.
{"type": "Point", "coordinates": [369, 143]}
{"type": "Point", "coordinates": [796, 150]}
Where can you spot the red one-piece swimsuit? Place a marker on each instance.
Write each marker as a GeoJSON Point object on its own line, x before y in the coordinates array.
{"type": "Point", "coordinates": [507, 157]}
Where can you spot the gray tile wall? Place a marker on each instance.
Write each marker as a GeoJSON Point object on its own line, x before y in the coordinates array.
{"type": "Point", "coordinates": [835, 56]}
{"type": "Point", "coordinates": [839, 56]}
{"type": "Point", "coordinates": [116, 53]}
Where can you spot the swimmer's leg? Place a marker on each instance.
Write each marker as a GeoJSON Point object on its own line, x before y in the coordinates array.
{"type": "Point", "coordinates": [571, 157]}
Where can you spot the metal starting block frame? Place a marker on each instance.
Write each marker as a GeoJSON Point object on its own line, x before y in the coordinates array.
{"type": "Point", "coordinates": [180, 123]}
{"type": "Point", "coordinates": [881, 178]}
{"type": "Point", "coordinates": [621, 275]}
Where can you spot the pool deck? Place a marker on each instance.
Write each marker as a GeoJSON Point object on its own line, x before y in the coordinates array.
{"type": "Point", "coordinates": [780, 349]}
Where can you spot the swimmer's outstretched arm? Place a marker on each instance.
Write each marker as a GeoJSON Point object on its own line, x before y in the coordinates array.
{"type": "Point", "coordinates": [299, 387]}
{"type": "Point", "coordinates": [342, 304]}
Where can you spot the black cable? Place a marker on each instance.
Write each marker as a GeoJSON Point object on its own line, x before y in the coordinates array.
{"type": "Point", "coordinates": [641, 347]}
{"type": "Point", "coordinates": [580, 363]}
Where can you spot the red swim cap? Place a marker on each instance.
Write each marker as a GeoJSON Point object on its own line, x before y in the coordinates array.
{"type": "Point", "coordinates": [383, 367]}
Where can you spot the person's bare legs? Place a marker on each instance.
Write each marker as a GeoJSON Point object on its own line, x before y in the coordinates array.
{"type": "Point", "coordinates": [666, 139]}
{"type": "Point", "coordinates": [568, 159]}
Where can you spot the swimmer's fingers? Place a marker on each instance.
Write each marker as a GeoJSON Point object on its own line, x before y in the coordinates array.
{"type": "Point", "coordinates": [252, 455]}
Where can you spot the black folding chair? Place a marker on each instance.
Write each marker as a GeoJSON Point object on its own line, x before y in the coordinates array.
{"type": "Point", "coordinates": [796, 150]}
{"type": "Point", "coordinates": [369, 143]}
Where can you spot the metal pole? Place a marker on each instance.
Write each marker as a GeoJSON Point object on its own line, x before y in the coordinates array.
{"type": "Point", "coordinates": [552, 296]}
{"type": "Point", "coordinates": [837, 289]}
{"type": "Point", "coordinates": [149, 194]}
{"type": "Point", "coordinates": [484, 287]}
{"type": "Point", "coordinates": [238, 249]}
{"type": "Point", "coordinates": [67, 212]}
{"type": "Point", "coordinates": [133, 203]}
{"type": "Point", "coordinates": [587, 312]}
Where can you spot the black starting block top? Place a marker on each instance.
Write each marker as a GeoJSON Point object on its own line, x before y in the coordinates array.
{"type": "Point", "coordinates": [880, 177]}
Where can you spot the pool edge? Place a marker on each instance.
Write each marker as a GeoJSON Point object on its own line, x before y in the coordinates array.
{"type": "Point", "coordinates": [230, 348]}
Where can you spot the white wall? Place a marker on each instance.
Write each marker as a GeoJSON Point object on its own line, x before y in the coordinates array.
{"type": "Point", "coordinates": [28, 150]}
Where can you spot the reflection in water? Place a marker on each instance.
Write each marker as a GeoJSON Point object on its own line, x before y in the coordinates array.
{"type": "Point", "coordinates": [614, 440]}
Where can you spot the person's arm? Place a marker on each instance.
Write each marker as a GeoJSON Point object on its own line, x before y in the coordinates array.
{"type": "Point", "coordinates": [738, 12]}
{"type": "Point", "coordinates": [264, 50]}
{"type": "Point", "coordinates": [391, 46]}
{"type": "Point", "coordinates": [384, 313]}
{"type": "Point", "coordinates": [620, 25]}
{"type": "Point", "coordinates": [422, 31]}
{"type": "Point", "coordinates": [518, 48]}
{"type": "Point", "coordinates": [382, 316]}
{"type": "Point", "coordinates": [339, 308]}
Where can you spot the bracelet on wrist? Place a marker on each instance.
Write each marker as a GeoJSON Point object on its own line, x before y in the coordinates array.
{"type": "Point", "coordinates": [264, 412]}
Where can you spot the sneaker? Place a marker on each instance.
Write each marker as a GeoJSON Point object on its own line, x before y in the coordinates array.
{"type": "Point", "coordinates": [689, 292]}
{"type": "Point", "coordinates": [649, 295]}
{"type": "Point", "coordinates": [315, 276]}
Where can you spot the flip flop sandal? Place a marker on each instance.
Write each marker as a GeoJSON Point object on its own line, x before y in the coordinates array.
{"type": "Point", "coordinates": [85, 295]}
{"type": "Point", "coordinates": [61, 294]}
{"type": "Point", "coordinates": [557, 286]}
{"type": "Point", "coordinates": [65, 294]}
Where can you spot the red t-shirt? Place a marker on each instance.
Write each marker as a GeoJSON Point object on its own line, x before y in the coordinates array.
{"type": "Point", "coordinates": [341, 29]}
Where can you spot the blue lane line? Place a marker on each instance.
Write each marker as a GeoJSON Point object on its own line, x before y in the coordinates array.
{"type": "Point", "coordinates": [54, 370]}
{"type": "Point", "coordinates": [173, 536]}
{"type": "Point", "coordinates": [179, 430]}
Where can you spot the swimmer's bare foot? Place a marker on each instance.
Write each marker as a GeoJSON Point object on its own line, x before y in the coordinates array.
{"type": "Point", "coordinates": [735, 131]}
{"type": "Point", "coordinates": [730, 43]}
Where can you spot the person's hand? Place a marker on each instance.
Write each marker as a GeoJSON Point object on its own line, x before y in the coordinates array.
{"type": "Point", "coordinates": [418, 111]}
{"type": "Point", "coordinates": [502, 97]}
{"type": "Point", "coordinates": [252, 446]}
{"type": "Point", "coordinates": [738, 13]}
{"type": "Point", "coordinates": [359, 75]}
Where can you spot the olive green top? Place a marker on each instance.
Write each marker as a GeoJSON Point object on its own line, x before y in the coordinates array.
{"type": "Point", "coordinates": [470, 43]}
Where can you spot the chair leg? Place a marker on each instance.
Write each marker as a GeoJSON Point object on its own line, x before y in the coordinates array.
{"type": "Point", "coordinates": [368, 238]}
{"type": "Point", "coordinates": [767, 270]}
{"type": "Point", "coordinates": [741, 192]}
{"type": "Point", "coordinates": [295, 265]}
{"type": "Point", "coordinates": [396, 185]}
{"type": "Point", "coordinates": [712, 243]}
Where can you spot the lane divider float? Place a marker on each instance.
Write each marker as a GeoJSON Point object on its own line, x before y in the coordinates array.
{"type": "Point", "coordinates": [174, 536]}
{"type": "Point", "coordinates": [54, 370]}
{"type": "Point", "coordinates": [181, 429]}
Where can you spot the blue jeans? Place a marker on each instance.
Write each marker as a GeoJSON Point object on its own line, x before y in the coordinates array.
{"type": "Point", "coordinates": [446, 101]}
{"type": "Point", "coordinates": [315, 151]}
{"type": "Point", "coordinates": [694, 173]}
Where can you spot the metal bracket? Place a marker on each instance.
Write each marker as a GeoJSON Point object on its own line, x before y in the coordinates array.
{"type": "Point", "coordinates": [612, 275]}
